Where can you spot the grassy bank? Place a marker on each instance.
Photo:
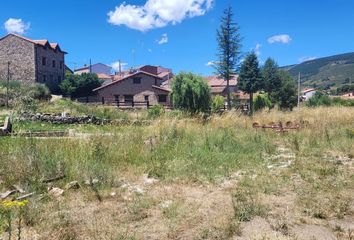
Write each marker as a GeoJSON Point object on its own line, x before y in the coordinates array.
{"type": "Point", "coordinates": [309, 164]}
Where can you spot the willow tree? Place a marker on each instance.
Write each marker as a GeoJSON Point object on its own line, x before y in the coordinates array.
{"type": "Point", "coordinates": [229, 49]}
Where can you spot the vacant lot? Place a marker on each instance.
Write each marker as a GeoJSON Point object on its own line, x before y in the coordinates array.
{"type": "Point", "coordinates": [188, 178]}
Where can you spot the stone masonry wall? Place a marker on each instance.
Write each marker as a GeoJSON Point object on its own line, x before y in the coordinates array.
{"type": "Point", "coordinates": [21, 55]}
{"type": "Point", "coordinates": [54, 74]}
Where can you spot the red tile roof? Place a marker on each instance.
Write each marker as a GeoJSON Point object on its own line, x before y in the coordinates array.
{"type": "Point", "coordinates": [115, 80]}
{"type": "Point", "coordinates": [43, 43]}
{"type": "Point", "coordinates": [165, 89]}
{"type": "Point", "coordinates": [218, 81]}
{"type": "Point", "coordinates": [103, 76]}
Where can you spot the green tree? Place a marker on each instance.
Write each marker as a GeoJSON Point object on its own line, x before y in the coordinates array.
{"type": "Point", "coordinates": [272, 79]}
{"type": "Point", "coordinates": [262, 101]}
{"type": "Point", "coordinates": [190, 92]}
{"type": "Point", "coordinates": [250, 79]}
{"type": "Point", "coordinates": [218, 104]}
{"type": "Point", "coordinates": [286, 96]}
{"type": "Point", "coordinates": [80, 85]}
{"type": "Point", "coordinates": [229, 46]}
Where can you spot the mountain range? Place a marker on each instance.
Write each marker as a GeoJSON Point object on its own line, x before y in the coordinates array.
{"type": "Point", "coordinates": [325, 73]}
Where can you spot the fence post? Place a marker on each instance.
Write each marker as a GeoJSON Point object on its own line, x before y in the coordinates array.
{"type": "Point", "coordinates": [102, 100]}
{"type": "Point", "coordinates": [117, 103]}
{"type": "Point", "coordinates": [147, 104]}
{"type": "Point", "coordinates": [133, 103]}
{"type": "Point", "coordinates": [87, 99]}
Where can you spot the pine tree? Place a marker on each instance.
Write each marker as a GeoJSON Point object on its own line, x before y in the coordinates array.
{"type": "Point", "coordinates": [271, 77]}
{"type": "Point", "coordinates": [229, 45]}
{"type": "Point", "coordinates": [250, 79]}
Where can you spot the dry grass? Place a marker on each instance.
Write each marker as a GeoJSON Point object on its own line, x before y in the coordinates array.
{"type": "Point", "coordinates": [217, 179]}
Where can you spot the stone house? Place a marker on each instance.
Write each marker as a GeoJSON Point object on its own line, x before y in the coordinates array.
{"type": "Point", "coordinates": [98, 68]}
{"type": "Point", "coordinates": [218, 85]}
{"type": "Point", "coordinates": [137, 86]}
{"type": "Point", "coordinates": [32, 61]}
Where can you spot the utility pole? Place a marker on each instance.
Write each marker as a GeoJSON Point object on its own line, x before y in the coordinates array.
{"type": "Point", "coordinates": [298, 90]}
{"type": "Point", "coordinates": [90, 66]}
{"type": "Point", "coordinates": [7, 84]}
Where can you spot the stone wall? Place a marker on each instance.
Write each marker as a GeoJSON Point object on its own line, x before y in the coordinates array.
{"type": "Point", "coordinates": [59, 119]}
{"type": "Point", "coordinates": [49, 74]}
{"type": "Point", "coordinates": [21, 55]}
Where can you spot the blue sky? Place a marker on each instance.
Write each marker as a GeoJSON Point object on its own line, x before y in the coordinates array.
{"type": "Point", "coordinates": [180, 34]}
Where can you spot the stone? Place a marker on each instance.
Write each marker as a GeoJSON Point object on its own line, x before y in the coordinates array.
{"type": "Point", "coordinates": [72, 185]}
{"type": "Point", "coordinates": [56, 192]}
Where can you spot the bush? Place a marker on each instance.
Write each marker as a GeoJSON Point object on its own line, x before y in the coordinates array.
{"type": "Point", "coordinates": [39, 92]}
{"type": "Point", "coordinates": [190, 93]}
{"type": "Point", "coordinates": [218, 104]}
{"type": "Point", "coordinates": [262, 101]}
{"type": "Point", "coordinates": [80, 85]}
{"type": "Point", "coordinates": [155, 111]}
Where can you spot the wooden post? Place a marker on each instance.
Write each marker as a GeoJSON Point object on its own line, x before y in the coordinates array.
{"type": "Point", "coordinates": [147, 104]}
{"type": "Point", "coordinates": [87, 99]}
{"type": "Point", "coordinates": [118, 103]}
{"type": "Point", "coordinates": [102, 100]}
{"type": "Point", "coordinates": [133, 103]}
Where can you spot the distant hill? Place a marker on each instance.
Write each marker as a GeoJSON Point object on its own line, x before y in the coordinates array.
{"type": "Point", "coordinates": [327, 72]}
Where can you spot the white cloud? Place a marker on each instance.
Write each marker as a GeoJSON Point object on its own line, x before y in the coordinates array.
{"type": "Point", "coordinates": [150, 50]}
{"type": "Point", "coordinates": [163, 40]}
{"type": "Point", "coordinates": [115, 66]}
{"type": "Point", "coordinates": [210, 64]}
{"type": "Point", "coordinates": [257, 49]}
{"type": "Point", "coordinates": [283, 38]}
{"type": "Point", "coordinates": [157, 13]}
{"type": "Point", "coordinates": [18, 26]}
{"type": "Point", "coordinates": [305, 59]}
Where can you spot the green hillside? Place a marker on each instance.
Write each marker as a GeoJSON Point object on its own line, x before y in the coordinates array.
{"type": "Point", "coordinates": [327, 72]}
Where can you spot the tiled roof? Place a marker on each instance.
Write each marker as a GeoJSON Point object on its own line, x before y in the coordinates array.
{"type": "Point", "coordinates": [308, 90]}
{"type": "Point", "coordinates": [218, 81]}
{"type": "Point", "coordinates": [43, 43]}
{"type": "Point", "coordinates": [103, 76]}
{"type": "Point", "coordinates": [125, 78]}
{"type": "Point", "coordinates": [165, 89]}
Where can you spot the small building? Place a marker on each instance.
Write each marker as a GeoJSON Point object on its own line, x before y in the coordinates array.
{"type": "Point", "coordinates": [347, 96]}
{"type": "Point", "coordinates": [219, 86]}
{"type": "Point", "coordinates": [136, 86]}
{"type": "Point", "coordinates": [98, 68]}
{"type": "Point", "coordinates": [308, 93]}
{"type": "Point", "coordinates": [32, 61]}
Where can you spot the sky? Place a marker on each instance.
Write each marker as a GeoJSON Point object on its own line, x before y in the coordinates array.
{"type": "Point", "coordinates": [181, 34]}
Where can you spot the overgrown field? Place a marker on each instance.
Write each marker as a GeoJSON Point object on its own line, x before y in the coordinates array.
{"type": "Point", "coordinates": [189, 178]}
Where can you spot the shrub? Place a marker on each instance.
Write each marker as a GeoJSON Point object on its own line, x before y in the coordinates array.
{"type": "Point", "coordinates": [155, 111]}
{"type": "Point", "coordinates": [39, 92]}
{"type": "Point", "coordinates": [217, 104]}
{"type": "Point", "coordinates": [262, 101]}
{"type": "Point", "coordinates": [190, 93]}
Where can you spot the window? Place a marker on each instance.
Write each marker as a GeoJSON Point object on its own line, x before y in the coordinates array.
{"type": "Point", "coordinates": [53, 63]}
{"type": "Point", "coordinates": [116, 98]}
{"type": "Point", "coordinates": [162, 98]}
{"type": "Point", "coordinates": [51, 78]}
{"type": "Point", "coordinates": [128, 98]}
{"type": "Point", "coordinates": [146, 98]}
{"type": "Point", "coordinates": [61, 64]}
{"type": "Point", "coordinates": [44, 61]}
{"type": "Point", "coordinates": [137, 80]}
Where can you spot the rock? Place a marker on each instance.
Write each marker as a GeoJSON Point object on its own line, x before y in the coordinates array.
{"type": "Point", "coordinates": [94, 181]}
{"type": "Point", "coordinates": [166, 204]}
{"type": "Point", "coordinates": [113, 194]}
{"type": "Point", "coordinates": [72, 185]}
{"type": "Point", "coordinates": [56, 192]}
{"type": "Point", "coordinates": [149, 181]}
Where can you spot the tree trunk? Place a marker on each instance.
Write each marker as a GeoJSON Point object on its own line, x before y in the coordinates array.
{"type": "Point", "coordinates": [251, 104]}
{"type": "Point", "coordinates": [228, 95]}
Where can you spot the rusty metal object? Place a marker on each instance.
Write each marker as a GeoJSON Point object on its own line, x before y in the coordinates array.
{"type": "Point", "coordinates": [279, 127]}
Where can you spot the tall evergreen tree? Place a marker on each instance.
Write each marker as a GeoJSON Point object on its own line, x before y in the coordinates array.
{"type": "Point", "coordinates": [250, 79]}
{"type": "Point", "coordinates": [286, 95]}
{"type": "Point", "coordinates": [271, 77]}
{"type": "Point", "coordinates": [229, 46]}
